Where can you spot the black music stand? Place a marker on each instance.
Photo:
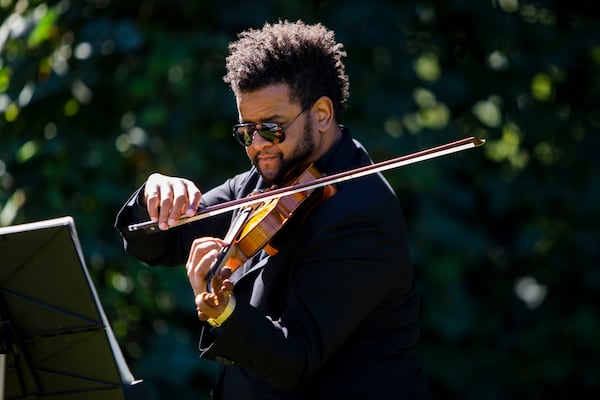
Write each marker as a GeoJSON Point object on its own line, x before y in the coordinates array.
{"type": "Point", "coordinates": [55, 340]}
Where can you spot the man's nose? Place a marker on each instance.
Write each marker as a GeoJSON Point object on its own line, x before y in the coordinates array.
{"type": "Point", "coordinates": [258, 142]}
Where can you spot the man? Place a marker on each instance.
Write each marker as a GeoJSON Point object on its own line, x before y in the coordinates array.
{"type": "Point", "coordinates": [333, 313]}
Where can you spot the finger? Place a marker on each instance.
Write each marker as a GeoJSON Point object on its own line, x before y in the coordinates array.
{"type": "Point", "coordinates": [198, 266]}
{"type": "Point", "coordinates": [208, 302]}
{"type": "Point", "coordinates": [200, 260]}
{"type": "Point", "coordinates": [226, 290]}
{"type": "Point", "coordinates": [183, 195]}
{"type": "Point", "coordinates": [199, 300]}
{"type": "Point", "coordinates": [227, 286]}
{"type": "Point", "coordinates": [194, 195]}
{"type": "Point", "coordinates": [225, 273]}
{"type": "Point", "coordinates": [152, 196]}
{"type": "Point", "coordinates": [208, 305]}
{"type": "Point", "coordinates": [207, 261]}
{"type": "Point", "coordinates": [203, 245]}
{"type": "Point", "coordinates": [221, 284]}
{"type": "Point", "coordinates": [166, 203]}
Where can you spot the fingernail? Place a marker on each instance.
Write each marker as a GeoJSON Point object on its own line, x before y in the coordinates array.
{"type": "Point", "coordinates": [190, 211]}
{"type": "Point", "coordinates": [163, 226]}
{"type": "Point", "coordinates": [171, 221]}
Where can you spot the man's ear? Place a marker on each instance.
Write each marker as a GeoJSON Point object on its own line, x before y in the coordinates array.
{"type": "Point", "coordinates": [323, 109]}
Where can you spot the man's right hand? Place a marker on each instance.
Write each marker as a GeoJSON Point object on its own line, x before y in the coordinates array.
{"type": "Point", "coordinates": [168, 198]}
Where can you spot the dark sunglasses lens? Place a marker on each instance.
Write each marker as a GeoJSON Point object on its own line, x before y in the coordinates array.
{"type": "Point", "coordinates": [245, 133]}
{"type": "Point", "coordinates": [273, 135]}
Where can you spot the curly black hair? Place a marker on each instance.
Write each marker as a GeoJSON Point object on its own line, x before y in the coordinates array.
{"type": "Point", "coordinates": [305, 57]}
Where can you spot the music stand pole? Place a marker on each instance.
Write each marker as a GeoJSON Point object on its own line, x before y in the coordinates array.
{"type": "Point", "coordinates": [3, 352]}
{"type": "Point", "coordinates": [2, 374]}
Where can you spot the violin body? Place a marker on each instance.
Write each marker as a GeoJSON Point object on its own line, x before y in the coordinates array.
{"type": "Point", "coordinates": [270, 218]}
{"type": "Point", "coordinates": [262, 226]}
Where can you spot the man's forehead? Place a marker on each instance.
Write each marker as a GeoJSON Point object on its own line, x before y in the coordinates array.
{"type": "Point", "coordinates": [266, 103]}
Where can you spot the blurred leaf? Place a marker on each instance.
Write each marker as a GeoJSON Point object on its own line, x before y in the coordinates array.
{"type": "Point", "coordinates": [45, 27]}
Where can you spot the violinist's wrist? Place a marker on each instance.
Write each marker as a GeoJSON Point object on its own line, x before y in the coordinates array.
{"type": "Point", "coordinates": [219, 320]}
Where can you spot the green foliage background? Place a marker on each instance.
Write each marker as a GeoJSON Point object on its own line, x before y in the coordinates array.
{"type": "Point", "coordinates": [97, 94]}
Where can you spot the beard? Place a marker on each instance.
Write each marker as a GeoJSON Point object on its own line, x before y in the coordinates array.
{"type": "Point", "coordinates": [295, 161]}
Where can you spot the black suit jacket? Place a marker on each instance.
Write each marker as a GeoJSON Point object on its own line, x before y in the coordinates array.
{"type": "Point", "coordinates": [332, 315]}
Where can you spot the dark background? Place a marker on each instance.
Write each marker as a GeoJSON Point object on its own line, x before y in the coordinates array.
{"type": "Point", "coordinates": [97, 94]}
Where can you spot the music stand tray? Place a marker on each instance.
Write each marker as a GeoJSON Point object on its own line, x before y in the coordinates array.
{"type": "Point", "coordinates": [55, 339]}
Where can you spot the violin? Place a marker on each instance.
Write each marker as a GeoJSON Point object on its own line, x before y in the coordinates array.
{"type": "Point", "coordinates": [264, 216]}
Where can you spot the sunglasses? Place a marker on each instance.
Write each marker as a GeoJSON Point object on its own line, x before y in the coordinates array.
{"type": "Point", "coordinates": [271, 131]}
